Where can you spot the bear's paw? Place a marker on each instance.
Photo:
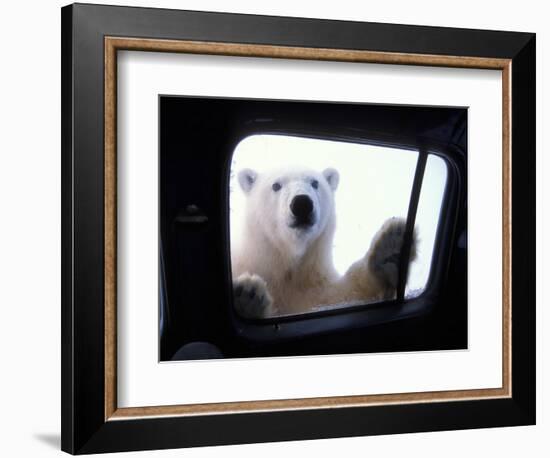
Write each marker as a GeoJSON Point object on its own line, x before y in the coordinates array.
{"type": "Point", "coordinates": [251, 297]}
{"type": "Point", "coordinates": [385, 251]}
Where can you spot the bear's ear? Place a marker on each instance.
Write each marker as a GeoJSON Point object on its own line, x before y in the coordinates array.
{"type": "Point", "coordinates": [333, 178]}
{"type": "Point", "coordinates": [247, 178]}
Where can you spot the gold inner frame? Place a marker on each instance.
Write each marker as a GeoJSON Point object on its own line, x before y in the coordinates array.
{"type": "Point", "coordinates": [114, 44]}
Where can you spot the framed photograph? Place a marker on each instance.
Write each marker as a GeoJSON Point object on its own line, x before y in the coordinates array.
{"type": "Point", "coordinates": [284, 228]}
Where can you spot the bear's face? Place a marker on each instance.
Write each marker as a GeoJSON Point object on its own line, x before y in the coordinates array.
{"type": "Point", "coordinates": [291, 207]}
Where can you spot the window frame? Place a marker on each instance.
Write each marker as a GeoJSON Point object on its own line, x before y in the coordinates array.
{"type": "Point", "coordinates": [288, 327]}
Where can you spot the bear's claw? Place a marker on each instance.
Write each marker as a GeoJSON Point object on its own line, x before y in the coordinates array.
{"type": "Point", "coordinates": [251, 297]}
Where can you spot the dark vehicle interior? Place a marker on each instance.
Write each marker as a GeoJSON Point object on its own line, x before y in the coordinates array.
{"type": "Point", "coordinates": [196, 318]}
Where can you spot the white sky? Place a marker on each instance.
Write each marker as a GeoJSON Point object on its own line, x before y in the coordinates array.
{"type": "Point", "coordinates": [375, 184]}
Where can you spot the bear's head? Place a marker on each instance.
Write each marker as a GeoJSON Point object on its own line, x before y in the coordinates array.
{"type": "Point", "coordinates": [291, 207]}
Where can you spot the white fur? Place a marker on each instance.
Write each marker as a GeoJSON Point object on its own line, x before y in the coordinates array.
{"type": "Point", "coordinates": [280, 269]}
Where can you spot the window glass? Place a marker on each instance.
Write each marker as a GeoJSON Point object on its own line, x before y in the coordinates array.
{"type": "Point", "coordinates": [427, 218]}
{"type": "Point", "coordinates": [316, 223]}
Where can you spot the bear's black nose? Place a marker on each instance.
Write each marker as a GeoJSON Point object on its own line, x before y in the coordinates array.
{"type": "Point", "coordinates": [301, 207]}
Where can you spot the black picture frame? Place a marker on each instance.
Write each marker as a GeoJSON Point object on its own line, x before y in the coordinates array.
{"type": "Point", "coordinates": [86, 427]}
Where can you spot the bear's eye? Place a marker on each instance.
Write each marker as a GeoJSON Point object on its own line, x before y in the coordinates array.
{"type": "Point", "coordinates": [276, 186]}
{"type": "Point", "coordinates": [315, 184]}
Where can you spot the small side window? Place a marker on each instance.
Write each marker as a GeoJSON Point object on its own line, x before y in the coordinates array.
{"type": "Point", "coordinates": [318, 224]}
{"type": "Point", "coordinates": [427, 223]}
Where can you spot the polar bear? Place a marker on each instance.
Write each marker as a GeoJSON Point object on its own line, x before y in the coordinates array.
{"type": "Point", "coordinates": [284, 263]}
